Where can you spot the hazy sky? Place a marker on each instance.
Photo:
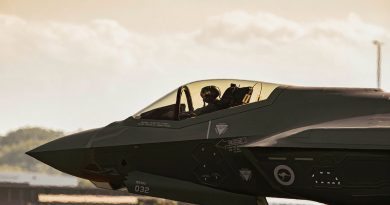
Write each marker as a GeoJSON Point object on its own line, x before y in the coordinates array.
{"type": "Point", "coordinates": [83, 64]}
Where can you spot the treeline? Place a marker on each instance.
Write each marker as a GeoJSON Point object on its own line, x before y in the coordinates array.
{"type": "Point", "coordinates": [14, 145]}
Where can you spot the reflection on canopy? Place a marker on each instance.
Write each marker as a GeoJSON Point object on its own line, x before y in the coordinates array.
{"type": "Point", "coordinates": [202, 97]}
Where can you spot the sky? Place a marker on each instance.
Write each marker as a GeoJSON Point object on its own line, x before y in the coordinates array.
{"type": "Point", "coordinates": [74, 65]}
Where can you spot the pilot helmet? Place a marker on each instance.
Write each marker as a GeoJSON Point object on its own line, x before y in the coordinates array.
{"type": "Point", "coordinates": [210, 93]}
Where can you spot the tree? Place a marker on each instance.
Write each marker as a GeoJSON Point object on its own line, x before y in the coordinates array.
{"type": "Point", "coordinates": [16, 143]}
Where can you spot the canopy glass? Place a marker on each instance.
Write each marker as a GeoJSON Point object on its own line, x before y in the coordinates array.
{"type": "Point", "coordinates": [202, 97]}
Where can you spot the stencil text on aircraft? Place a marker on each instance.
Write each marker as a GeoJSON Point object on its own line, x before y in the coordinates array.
{"type": "Point", "coordinates": [232, 145]}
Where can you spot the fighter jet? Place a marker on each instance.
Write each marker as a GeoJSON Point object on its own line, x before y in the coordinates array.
{"type": "Point", "coordinates": [235, 142]}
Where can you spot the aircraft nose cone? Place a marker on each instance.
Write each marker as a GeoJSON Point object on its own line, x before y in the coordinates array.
{"type": "Point", "coordinates": [66, 154]}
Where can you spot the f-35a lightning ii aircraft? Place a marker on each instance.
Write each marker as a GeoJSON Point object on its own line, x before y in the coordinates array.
{"type": "Point", "coordinates": [235, 142]}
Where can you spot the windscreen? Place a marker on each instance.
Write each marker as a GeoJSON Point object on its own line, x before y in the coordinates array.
{"type": "Point", "coordinates": [205, 97]}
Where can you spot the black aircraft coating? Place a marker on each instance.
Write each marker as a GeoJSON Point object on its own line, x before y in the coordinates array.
{"type": "Point", "coordinates": [235, 142]}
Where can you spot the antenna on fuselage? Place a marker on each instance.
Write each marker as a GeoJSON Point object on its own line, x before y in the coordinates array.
{"type": "Point", "coordinates": [378, 44]}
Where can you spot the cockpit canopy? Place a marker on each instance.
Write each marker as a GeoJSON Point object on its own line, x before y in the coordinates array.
{"type": "Point", "coordinates": [206, 96]}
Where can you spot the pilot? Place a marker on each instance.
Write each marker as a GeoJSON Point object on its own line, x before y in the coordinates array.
{"type": "Point", "coordinates": [209, 95]}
